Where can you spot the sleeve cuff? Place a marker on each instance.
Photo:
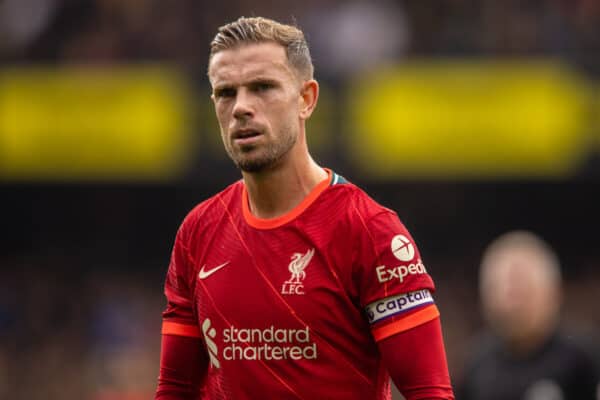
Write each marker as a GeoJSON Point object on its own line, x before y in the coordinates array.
{"type": "Point", "coordinates": [174, 328]}
{"type": "Point", "coordinates": [408, 322]}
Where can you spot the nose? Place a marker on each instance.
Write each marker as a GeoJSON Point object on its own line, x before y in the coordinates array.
{"type": "Point", "coordinates": [243, 107]}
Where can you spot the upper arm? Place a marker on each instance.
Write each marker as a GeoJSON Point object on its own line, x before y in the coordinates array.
{"type": "Point", "coordinates": [395, 290]}
{"type": "Point", "coordinates": [394, 287]}
{"type": "Point", "coordinates": [183, 359]}
{"type": "Point", "coordinates": [179, 317]}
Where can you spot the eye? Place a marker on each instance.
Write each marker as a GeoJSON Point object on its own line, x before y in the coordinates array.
{"type": "Point", "coordinates": [262, 86]}
{"type": "Point", "coordinates": [225, 93]}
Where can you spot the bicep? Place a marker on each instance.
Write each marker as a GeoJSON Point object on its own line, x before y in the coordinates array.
{"type": "Point", "coordinates": [416, 362]}
{"type": "Point", "coordinates": [183, 359]}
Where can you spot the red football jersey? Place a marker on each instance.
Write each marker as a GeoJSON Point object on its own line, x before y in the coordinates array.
{"type": "Point", "coordinates": [292, 307]}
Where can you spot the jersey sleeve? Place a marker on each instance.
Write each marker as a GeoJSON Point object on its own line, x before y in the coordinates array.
{"type": "Point", "coordinates": [426, 375]}
{"type": "Point", "coordinates": [394, 287]}
{"type": "Point", "coordinates": [179, 317]}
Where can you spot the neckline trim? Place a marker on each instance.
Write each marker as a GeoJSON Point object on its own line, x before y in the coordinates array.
{"type": "Point", "coordinates": [270, 223]}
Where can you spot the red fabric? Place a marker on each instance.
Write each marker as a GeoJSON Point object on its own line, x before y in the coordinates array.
{"type": "Point", "coordinates": [279, 304]}
{"type": "Point", "coordinates": [426, 375]}
{"type": "Point", "coordinates": [183, 366]}
{"type": "Point", "coordinates": [173, 328]}
{"type": "Point", "coordinates": [407, 322]}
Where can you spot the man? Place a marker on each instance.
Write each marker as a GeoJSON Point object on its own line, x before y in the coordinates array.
{"type": "Point", "coordinates": [291, 283]}
{"type": "Point", "coordinates": [527, 358]}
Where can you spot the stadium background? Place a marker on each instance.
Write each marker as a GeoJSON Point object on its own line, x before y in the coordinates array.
{"type": "Point", "coordinates": [469, 118]}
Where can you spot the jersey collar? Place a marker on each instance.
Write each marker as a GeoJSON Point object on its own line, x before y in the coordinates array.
{"type": "Point", "coordinates": [270, 223]}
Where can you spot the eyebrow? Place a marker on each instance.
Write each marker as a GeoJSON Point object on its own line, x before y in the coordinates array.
{"type": "Point", "coordinates": [262, 80]}
{"type": "Point", "coordinates": [255, 80]}
{"type": "Point", "coordinates": [224, 86]}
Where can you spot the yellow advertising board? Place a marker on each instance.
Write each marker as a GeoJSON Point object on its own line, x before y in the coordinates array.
{"type": "Point", "coordinates": [114, 123]}
{"type": "Point", "coordinates": [469, 119]}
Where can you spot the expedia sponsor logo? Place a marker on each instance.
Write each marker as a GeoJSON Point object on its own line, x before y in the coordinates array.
{"type": "Point", "coordinates": [402, 248]}
{"type": "Point", "coordinates": [263, 344]}
{"type": "Point", "coordinates": [385, 274]}
{"type": "Point", "coordinates": [394, 305]}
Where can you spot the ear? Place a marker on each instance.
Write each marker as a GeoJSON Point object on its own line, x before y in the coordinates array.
{"type": "Point", "coordinates": [309, 94]}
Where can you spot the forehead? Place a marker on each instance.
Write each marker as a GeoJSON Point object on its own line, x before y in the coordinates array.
{"type": "Point", "coordinates": [525, 266]}
{"type": "Point", "coordinates": [247, 61]}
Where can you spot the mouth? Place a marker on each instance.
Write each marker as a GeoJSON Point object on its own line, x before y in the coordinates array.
{"type": "Point", "coordinates": [246, 136]}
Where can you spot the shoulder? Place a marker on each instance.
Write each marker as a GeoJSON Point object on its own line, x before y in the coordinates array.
{"type": "Point", "coordinates": [580, 350]}
{"type": "Point", "coordinates": [358, 203]}
{"type": "Point", "coordinates": [484, 356]}
{"type": "Point", "coordinates": [365, 219]}
{"type": "Point", "coordinates": [210, 210]}
{"type": "Point", "coordinates": [371, 223]}
{"type": "Point", "coordinates": [481, 364]}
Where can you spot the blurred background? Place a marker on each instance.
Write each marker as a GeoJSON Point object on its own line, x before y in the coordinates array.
{"type": "Point", "coordinates": [470, 118]}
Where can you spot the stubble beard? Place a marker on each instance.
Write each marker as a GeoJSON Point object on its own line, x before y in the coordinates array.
{"type": "Point", "coordinates": [267, 155]}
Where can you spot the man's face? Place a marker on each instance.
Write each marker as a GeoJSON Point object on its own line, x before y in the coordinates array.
{"type": "Point", "coordinates": [520, 298]}
{"type": "Point", "coordinates": [257, 101]}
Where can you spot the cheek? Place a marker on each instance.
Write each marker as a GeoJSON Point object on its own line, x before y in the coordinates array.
{"type": "Point", "coordinates": [285, 114]}
{"type": "Point", "coordinates": [222, 116]}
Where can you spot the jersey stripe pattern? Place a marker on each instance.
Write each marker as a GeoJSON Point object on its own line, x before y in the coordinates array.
{"type": "Point", "coordinates": [292, 307]}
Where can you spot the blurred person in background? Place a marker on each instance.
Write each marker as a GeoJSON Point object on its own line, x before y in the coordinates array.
{"type": "Point", "coordinates": [527, 356]}
{"type": "Point", "coordinates": [291, 283]}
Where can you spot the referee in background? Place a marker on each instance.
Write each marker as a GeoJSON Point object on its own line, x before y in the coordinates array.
{"type": "Point", "coordinates": [526, 356]}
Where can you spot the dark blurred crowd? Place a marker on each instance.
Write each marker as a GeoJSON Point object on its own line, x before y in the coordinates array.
{"type": "Point", "coordinates": [76, 335]}
{"type": "Point", "coordinates": [363, 32]}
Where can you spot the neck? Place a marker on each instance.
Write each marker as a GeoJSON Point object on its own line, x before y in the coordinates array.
{"type": "Point", "coordinates": [531, 342]}
{"type": "Point", "coordinates": [524, 347]}
{"type": "Point", "coordinates": [276, 192]}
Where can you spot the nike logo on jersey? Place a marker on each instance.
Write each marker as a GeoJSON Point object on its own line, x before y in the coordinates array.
{"type": "Point", "coordinates": [205, 274]}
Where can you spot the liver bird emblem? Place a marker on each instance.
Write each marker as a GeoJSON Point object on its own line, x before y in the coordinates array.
{"type": "Point", "coordinates": [298, 265]}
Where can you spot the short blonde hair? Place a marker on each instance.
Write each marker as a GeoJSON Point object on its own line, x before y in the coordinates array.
{"type": "Point", "coordinates": [259, 29]}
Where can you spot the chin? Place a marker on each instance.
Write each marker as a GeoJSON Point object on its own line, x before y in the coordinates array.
{"type": "Point", "coordinates": [253, 165]}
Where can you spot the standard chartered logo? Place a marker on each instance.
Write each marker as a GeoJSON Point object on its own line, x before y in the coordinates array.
{"type": "Point", "coordinates": [260, 344]}
{"type": "Point", "coordinates": [209, 335]}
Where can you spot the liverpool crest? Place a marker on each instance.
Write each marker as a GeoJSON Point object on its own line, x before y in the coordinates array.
{"type": "Point", "coordinates": [297, 267]}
